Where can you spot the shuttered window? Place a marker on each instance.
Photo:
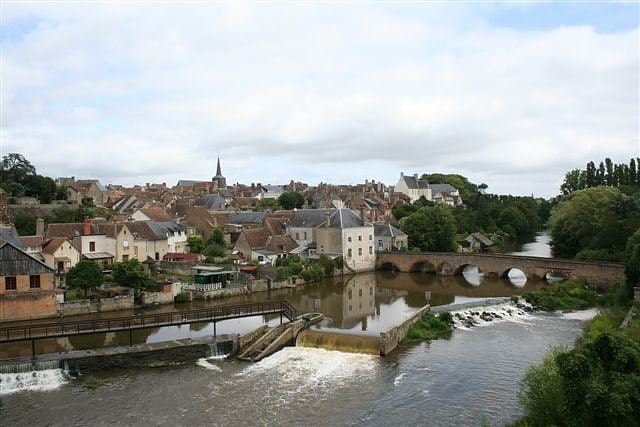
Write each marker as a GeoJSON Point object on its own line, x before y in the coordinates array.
{"type": "Point", "coordinates": [10, 283]}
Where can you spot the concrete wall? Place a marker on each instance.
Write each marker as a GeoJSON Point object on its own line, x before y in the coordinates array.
{"type": "Point", "coordinates": [157, 298]}
{"type": "Point", "coordinates": [27, 305]}
{"type": "Point", "coordinates": [250, 337]}
{"type": "Point", "coordinates": [390, 338]}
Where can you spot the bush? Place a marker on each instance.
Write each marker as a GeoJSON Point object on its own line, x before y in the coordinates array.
{"type": "Point", "coordinates": [431, 327]}
{"type": "Point", "coordinates": [182, 297]}
{"type": "Point", "coordinates": [573, 294]}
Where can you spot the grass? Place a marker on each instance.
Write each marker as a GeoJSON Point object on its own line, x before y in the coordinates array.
{"type": "Point", "coordinates": [431, 327]}
{"type": "Point", "coordinates": [573, 294]}
{"type": "Point", "coordinates": [93, 382]}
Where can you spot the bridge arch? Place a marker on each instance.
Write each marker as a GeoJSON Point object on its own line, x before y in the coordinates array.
{"type": "Point", "coordinates": [422, 266]}
{"type": "Point", "coordinates": [389, 266]}
{"type": "Point", "coordinates": [515, 276]}
{"type": "Point", "coordinates": [445, 269]}
{"type": "Point", "coordinates": [471, 273]}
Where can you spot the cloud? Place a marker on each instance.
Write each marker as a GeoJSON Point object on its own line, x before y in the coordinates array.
{"type": "Point", "coordinates": [155, 92]}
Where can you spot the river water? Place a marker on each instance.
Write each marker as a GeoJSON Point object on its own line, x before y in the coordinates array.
{"type": "Point", "coordinates": [470, 379]}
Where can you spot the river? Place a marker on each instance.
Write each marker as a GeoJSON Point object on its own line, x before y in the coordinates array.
{"type": "Point", "coordinates": [470, 379]}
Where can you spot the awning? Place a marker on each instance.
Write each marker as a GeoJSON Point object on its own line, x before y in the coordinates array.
{"type": "Point", "coordinates": [97, 255]}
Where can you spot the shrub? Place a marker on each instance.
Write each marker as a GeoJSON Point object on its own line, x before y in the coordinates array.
{"type": "Point", "coordinates": [182, 297]}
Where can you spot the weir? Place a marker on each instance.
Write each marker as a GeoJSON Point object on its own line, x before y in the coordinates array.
{"type": "Point", "coordinates": [340, 342]}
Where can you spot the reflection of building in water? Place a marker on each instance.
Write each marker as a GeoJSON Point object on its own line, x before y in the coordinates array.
{"type": "Point", "coordinates": [359, 299]}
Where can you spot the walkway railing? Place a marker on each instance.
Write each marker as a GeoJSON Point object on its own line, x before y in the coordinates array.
{"type": "Point", "coordinates": [209, 314]}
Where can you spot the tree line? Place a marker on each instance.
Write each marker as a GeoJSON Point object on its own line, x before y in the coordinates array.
{"type": "Point", "coordinates": [18, 178]}
{"type": "Point", "coordinates": [607, 173]}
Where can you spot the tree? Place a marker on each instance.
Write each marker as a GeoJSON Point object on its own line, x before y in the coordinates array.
{"type": "Point", "coordinates": [432, 229]}
{"type": "Point", "coordinates": [632, 258]}
{"type": "Point", "coordinates": [195, 244]}
{"type": "Point", "coordinates": [599, 218]}
{"type": "Point", "coordinates": [129, 273]}
{"type": "Point", "coordinates": [291, 200]}
{"type": "Point", "coordinates": [86, 275]}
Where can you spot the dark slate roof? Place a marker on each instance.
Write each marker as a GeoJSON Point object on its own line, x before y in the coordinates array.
{"type": "Point", "coordinates": [148, 230]}
{"type": "Point", "coordinates": [246, 217]}
{"type": "Point", "coordinates": [310, 218]}
{"type": "Point", "coordinates": [213, 202]}
{"type": "Point", "coordinates": [16, 262]}
{"type": "Point", "coordinates": [414, 183]}
{"type": "Point", "coordinates": [387, 230]}
{"type": "Point", "coordinates": [9, 234]}
{"type": "Point", "coordinates": [438, 188]}
{"type": "Point", "coordinates": [343, 218]}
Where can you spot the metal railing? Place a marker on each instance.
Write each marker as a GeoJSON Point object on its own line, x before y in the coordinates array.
{"type": "Point", "coordinates": [216, 313]}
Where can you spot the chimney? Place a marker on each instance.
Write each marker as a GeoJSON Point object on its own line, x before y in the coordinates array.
{"type": "Point", "coordinates": [415, 176]}
{"type": "Point", "coordinates": [40, 227]}
{"type": "Point", "coordinates": [401, 174]}
{"type": "Point", "coordinates": [327, 219]}
{"type": "Point", "coordinates": [362, 216]}
{"type": "Point", "coordinates": [86, 227]}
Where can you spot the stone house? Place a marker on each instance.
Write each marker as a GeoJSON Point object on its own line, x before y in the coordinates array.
{"type": "Point", "coordinates": [60, 254]}
{"type": "Point", "coordinates": [413, 187]}
{"type": "Point", "coordinates": [92, 242]}
{"type": "Point", "coordinates": [390, 238]}
{"type": "Point", "coordinates": [26, 285]}
{"type": "Point", "coordinates": [257, 244]}
{"type": "Point", "coordinates": [344, 234]}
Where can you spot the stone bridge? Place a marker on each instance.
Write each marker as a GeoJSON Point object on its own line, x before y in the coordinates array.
{"type": "Point", "coordinates": [495, 265]}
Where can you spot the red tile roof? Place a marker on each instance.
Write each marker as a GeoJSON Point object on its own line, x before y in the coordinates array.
{"type": "Point", "coordinates": [31, 241]}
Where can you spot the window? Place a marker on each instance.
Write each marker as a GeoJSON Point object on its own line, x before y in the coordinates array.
{"type": "Point", "coordinates": [359, 237]}
{"type": "Point", "coordinates": [370, 237]}
{"type": "Point", "coordinates": [125, 244]}
{"type": "Point", "coordinates": [125, 257]}
{"type": "Point", "coordinates": [157, 256]}
{"type": "Point", "coordinates": [349, 253]}
{"type": "Point", "coordinates": [305, 235]}
{"type": "Point", "coordinates": [297, 236]}
{"type": "Point", "coordinates": [359, 251]}
{"type": "Point", "coordinates": [92, 246]}
{"type": "Point", "coordinates": [370, 250]}
{"type": "Point", "coordinates": [10, 283]}
{"type": "Point", "coordinates": [135, 251]}
{"type": "Point", "coordinates": [360, 292]}
{"type": "Point", "coordinates": [34, 281]}
{"type": "Point", "coordinates": [348, 238]}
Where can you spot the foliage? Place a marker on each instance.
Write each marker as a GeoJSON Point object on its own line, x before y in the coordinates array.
{"type": "Point", "coordinates": [431, 327]}
{"type": "Point", "coordinates": [600, 218]}
{"type": "Point", "coordinates": [25, 223]}
{"type": "Point", "coordinates": [18, 178]}
{"type": "Point", "coordinates": [573, 294]}
{"type": "Point", "coordinates": [607, 173]}
{"type": "Point", "coordinates": [291, 200]}
{"type": "Point", "coordinates": [431, 229]}
{"type": "Point", "coordinates": [129, 273]}
{"type": "Point", "coordinates": [195, 244]}
{"type": "Point", "coordinates": [86, 275]}
{"type": "Point", "coordinates": [632, 258]}
{"type": "Point", "coordinates": [596, 383]}
{"type": "Point", "coordinates": [267, 205]}
{"type": "Point", "coordinates": [93, 382]}
{"type": "Point", "coordinates": [182, 297]}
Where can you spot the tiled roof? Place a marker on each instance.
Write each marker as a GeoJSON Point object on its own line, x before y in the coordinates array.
{"type": "Point", "coordinates": [156, 214]}
{"type": "Point", "coordinates": [281, 244]}
{"type": "Point", "coordinates": [52, 245]}
{"type": "Point", "coordinates": [257, 237]}
{"type": "Point", "coordinates": [246, 217]}
{"type": "Point", "coordinates": [68, 230]}
{"type": "Point", "coordinates": [31, 241]}
{"type": "Point", "coordinates": [415, 183]}
{"type": "Point", "coordinates": [343, 218]}
{"type": "Point", "coordinates": [148, 230]}
{"type": "Point", "coordinates": [387, 230]}
{"type": "Point", "coordinates": [310, 217]}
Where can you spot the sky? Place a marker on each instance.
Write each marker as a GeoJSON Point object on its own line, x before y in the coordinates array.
{"type": "Point", "coordinates": [511, 94]}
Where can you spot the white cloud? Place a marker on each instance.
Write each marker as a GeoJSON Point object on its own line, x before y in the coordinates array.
{"type": "Point", "coordinates": [156, 91]}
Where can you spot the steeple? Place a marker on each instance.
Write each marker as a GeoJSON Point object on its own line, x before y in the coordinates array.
{"type": "Point", "coordinates": [218, 170]}
{"type": "Point", "coordinates": [220, 180]}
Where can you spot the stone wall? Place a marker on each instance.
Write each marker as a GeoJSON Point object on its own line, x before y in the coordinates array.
{"type": "Point", "coordinates": [390, 338]}
{"type": "Point", "coordinates": [157, 298]}
{"type": "Point", "coordinates": [250, 337]}
{"type": "Point", "coordinates": [85, 306]}
{"type": "Point", "coordinates": [27, 305]}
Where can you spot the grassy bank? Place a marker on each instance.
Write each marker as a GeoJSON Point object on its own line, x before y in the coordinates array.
{"type": "Point", "coordinates": [431, 327]}
{"type": "Point", "coordinates": [574, 294]}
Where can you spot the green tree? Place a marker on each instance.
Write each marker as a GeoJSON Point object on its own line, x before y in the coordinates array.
{"type": "Point", "coordinates": [599, 218]}
{"type": "Point", "coordinates": [86, 275]}
{"type": "Point", "coordinates": [129, 273]}
{"type": "Point", "coordinates": [195, 244]}
{"type": "Point", "coordinates": [632, 258]}
{"type": "Point", "coordinates": [291, 200]}
{"type": "Point", "coordinates": [25, 223]}
{"type": "Point", "coordinates": [431, 229]}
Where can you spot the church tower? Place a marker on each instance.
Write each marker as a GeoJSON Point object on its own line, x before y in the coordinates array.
{"type": "Point", "coordinates": [220, 180]}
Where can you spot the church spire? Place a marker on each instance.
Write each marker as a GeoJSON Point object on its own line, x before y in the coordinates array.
{"type": "Point", "coordinates": [218, 170]}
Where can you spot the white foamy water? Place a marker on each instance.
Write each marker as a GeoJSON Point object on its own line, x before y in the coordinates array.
{"type": "Point", "coordinates": [506, 312]}
{"type": "Point", "coordinates": [45, 380]}
{"type": "Point", "coordinates": [313, 366]}
{"type": "Point", "coordinates": [582, 314]}
{"type": "Point", "coordinates": [205, 363]}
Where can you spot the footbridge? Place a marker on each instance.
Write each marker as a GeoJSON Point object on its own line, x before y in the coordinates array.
{"type": "Point", "coordinates": [58, 329]}
{"type": "Point", "coordinates": [496, 265]}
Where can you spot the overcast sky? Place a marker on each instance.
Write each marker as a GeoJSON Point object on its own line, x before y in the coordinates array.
{"type": "Point", "coordinates": [508, 94]}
